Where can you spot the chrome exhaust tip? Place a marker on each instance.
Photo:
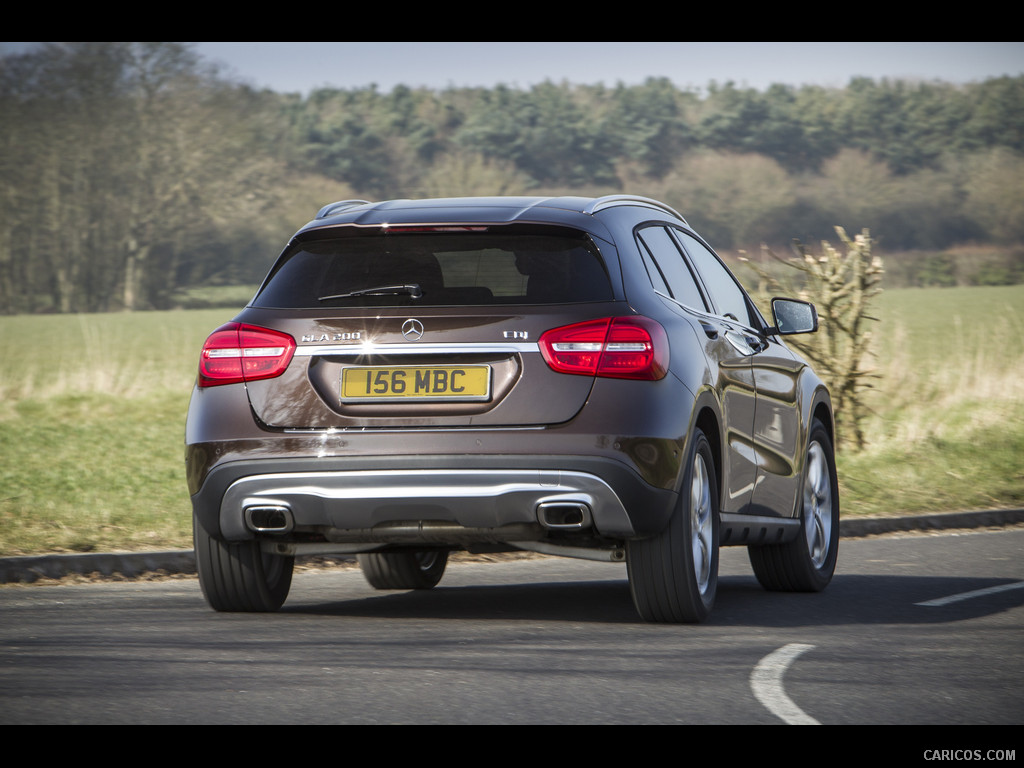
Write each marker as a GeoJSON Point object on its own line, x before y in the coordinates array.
{"type": "Point", "coordinates": [564, 515]}
{"type": "Point", "coordinates": [269, 518]}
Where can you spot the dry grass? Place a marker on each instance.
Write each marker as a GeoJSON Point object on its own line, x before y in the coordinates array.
{"type": "Point", "coordinates": [947, 359]}
{"type": "Point", "coordinates": [125, 355]}
{"type": "Point", "coordinates": [947, 429]}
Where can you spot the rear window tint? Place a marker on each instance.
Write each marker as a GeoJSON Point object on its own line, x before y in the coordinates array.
{"type": "Point", "coordinates": [437, 269]}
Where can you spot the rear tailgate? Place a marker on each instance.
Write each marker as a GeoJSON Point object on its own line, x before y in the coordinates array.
{"type": "Point", "coordinates": [439, 368]}
{"type": "Point", "coordinates": [427, 326]}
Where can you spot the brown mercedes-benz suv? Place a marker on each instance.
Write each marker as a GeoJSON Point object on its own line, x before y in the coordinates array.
{"type": "Point", "coordinates": [577, 377]}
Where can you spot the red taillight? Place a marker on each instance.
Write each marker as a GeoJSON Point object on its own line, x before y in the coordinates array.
{"type": "Point", "coordinates": [618, 348]}
{"type": "Point", "coordinates": [235, 353]}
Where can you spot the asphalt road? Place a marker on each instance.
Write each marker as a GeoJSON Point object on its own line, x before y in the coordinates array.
{"type": "Point", "coordinates": [916, 629]}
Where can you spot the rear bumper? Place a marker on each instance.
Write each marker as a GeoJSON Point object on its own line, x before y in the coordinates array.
{"type": "Point", "coordinates": [442, 500]}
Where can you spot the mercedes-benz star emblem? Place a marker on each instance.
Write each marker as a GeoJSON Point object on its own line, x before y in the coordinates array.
{"type": "Point", "coordinates": [412, 329]}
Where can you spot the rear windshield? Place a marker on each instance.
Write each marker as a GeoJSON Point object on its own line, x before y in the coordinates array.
{"type": "Point", "coordinates": [432, 269]}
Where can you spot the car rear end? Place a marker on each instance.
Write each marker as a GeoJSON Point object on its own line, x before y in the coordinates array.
{"type": "Point", "coordinates": [437, 375]}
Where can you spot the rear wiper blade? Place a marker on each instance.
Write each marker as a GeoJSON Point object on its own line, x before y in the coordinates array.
{"type": "Point", "coordinates": [383, 290]}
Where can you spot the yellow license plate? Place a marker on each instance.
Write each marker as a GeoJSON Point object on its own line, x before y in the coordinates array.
{"type": "Point", "coordinates": [416, 383]}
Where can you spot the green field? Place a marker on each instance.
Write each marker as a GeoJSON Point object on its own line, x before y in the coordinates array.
{"type": "Point", "coordinates": [92, 411]}
{"type": "Point", "coordinates": [92, 424]}
{"type": "Point", "coordinates": [947, 431]}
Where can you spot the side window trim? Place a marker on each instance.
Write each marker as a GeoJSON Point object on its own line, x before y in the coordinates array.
{"type": "Point", "coordinates": [650, 256]}
{"type": "Point", "coordinates": [752, 311]}
{"type": "Point", "coordinates": [650, 263]}
{"type": "Point", "coordinates": [709, 300]}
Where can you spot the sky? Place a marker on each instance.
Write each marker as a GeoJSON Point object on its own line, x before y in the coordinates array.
{"type": "Point", "coordinates": [300, 67]}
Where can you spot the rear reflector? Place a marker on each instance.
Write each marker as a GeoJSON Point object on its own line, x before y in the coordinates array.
{"type": "Point", "coordinates": [235, 353]}
{"type": "Point", "coordinates": [618, 348]}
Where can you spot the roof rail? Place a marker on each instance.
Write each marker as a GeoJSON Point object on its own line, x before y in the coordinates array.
{"type": "Point", "coordinates": [338, 207]}
{"type": "Point", "coordinates": [610, 200]}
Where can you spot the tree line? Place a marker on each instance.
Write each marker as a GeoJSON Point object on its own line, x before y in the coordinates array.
{"type": "Point", "coordinates": [133, 171]}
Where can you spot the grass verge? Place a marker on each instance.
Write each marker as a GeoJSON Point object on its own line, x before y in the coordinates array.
{"type": "Point", "coordinates": [92, 422]}
{"type": "Point", "coordinates": [93, 472]}
{"type": "Point", "coordinates": [947, 424]}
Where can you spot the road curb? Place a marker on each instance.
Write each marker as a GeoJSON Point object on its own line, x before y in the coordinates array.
{"type": "Point", "coordinates": [31, 568]}
{"type": "Point", "coordinates": [856, 527]}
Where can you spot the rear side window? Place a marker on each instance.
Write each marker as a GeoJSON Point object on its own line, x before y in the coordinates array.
{"type": "Point", "coordinates": [668, 269]}
{"type": "Point", "coordinates": [729, 298]}
{"type": "Point", "coordinates": [434, 269]}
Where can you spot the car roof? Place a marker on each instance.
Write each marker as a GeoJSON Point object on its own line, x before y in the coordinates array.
{"type": "Point", "coordinates": [565, 210]}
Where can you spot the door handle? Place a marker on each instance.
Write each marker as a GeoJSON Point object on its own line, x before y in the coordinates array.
{"type": "Point", "coordinates": [741, 343]}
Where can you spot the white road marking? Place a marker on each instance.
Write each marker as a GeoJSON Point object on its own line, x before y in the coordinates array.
{"type": "Point", "coordinates": [766, 682]}
{"type": "Point", "coordinates": [969, 595]}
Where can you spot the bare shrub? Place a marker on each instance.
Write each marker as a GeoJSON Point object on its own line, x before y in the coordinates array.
{"type": "Point", "coordinates": [840, 283]}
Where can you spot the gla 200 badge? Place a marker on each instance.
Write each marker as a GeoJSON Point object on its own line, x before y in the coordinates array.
{"type": "Point", "coordinates": [315, 338]}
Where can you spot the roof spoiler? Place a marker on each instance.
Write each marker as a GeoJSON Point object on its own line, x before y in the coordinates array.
{"type": "Point", "coordinates": [591, 207]}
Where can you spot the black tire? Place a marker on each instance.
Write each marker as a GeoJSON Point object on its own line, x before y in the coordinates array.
{"type": "Point", "coordinates": [404, 570]}
{"type": "Point", "coordinates": [807, 563]}
{"type": "Point", "coordinates": [673, 577]}
{"type": "Point", "coordinates": [238, 577]}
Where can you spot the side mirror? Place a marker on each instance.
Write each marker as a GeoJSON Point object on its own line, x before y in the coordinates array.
{"type": "Point", "coordinates": [792, 316]}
